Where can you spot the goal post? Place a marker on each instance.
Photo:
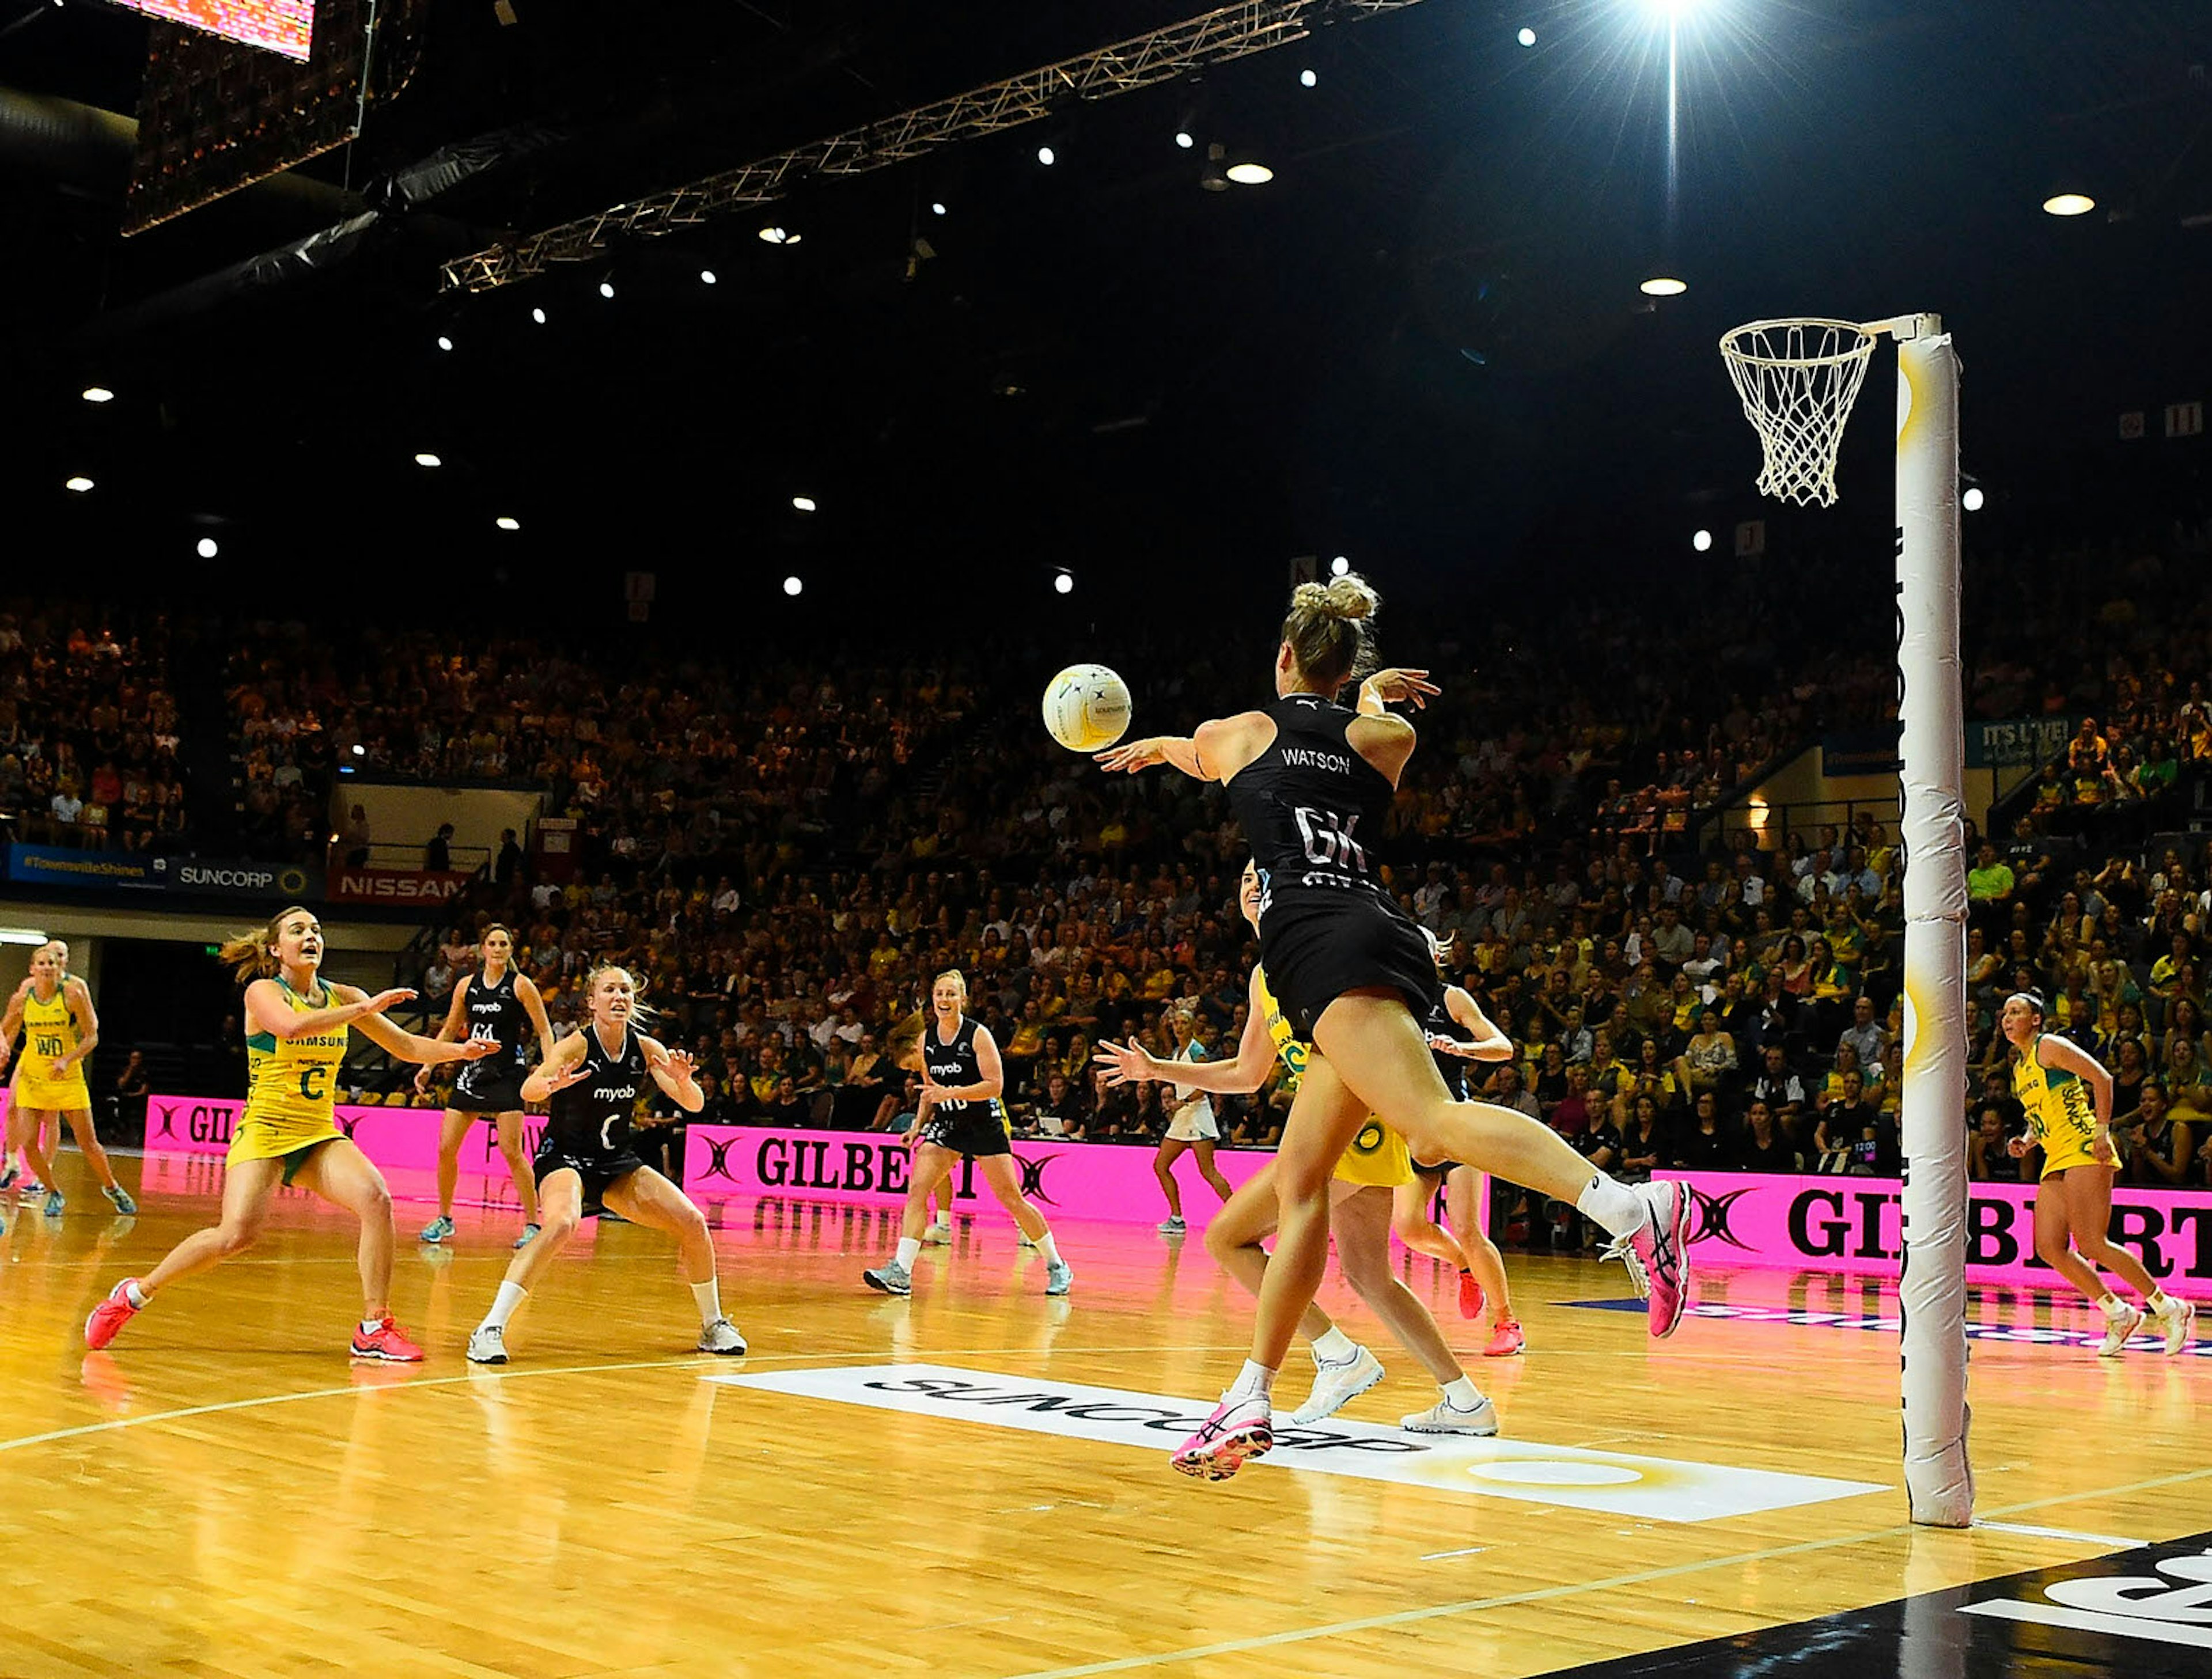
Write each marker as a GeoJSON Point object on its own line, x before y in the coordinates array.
{"type": "Point", "coordinates": [1797, 379]}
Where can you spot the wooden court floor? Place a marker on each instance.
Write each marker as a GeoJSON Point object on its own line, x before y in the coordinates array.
{"type": "Point", "coordinates": [224, 1494]}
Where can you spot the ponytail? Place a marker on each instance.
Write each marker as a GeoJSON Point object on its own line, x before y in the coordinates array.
{"type": "Point", "coordinates": [252, 956]}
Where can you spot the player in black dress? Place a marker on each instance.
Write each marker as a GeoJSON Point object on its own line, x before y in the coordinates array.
{"type": "Point", "coordinates": [592, 1083]}
{"type": "Point", "coordinates": [962, 1114]}
{"type": "Point", "coordinates": [501, 1005]}
{"type": "Point", "coordinates": [1312, 783]}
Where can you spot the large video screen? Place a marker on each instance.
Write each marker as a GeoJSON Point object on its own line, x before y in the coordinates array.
{"type": "Point", "coordinates": [281, 26]}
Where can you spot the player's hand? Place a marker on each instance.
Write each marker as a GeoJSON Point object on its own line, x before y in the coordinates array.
{"type": "Point", "coordinates": [476, 1049]}
{"type": "Point", "coordinates": [678, 1065]}
{"type": "Point", "coordinates": [422, 1080]}
{"type": "Point", "coordinates": [561, 1078]}
{"type": "Point", "coordinates": [1124, 1063]}
{"type": "Point", "coordinates": [1445, 1043]}
{"type": "Point", "coordinates": [58, 1068]}
{"type": "Point", "coordinates": [1131, 756]}
{"type": "Point", "coordinates": [932, 1092]}
{"type": "Point", "coordinates": [2017, 1148]}
{"type": "Point", "coordinates": [2101, 1150]}
{"type": "Point", "coordinates": [1397, 686]}
{"type": "Point", "coordinates": [391, 999]}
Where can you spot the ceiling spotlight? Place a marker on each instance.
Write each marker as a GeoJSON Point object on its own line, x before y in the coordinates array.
{"type": "Point", "coordinates": [792, 586]}
{"type": "Point", "coordinates": [937, 206]}
{"type": "Point", "coordinates": [508, 522]}
{"type": "Point", "coordinates": [97, 394]}
{"type": "Point", "coordinates": [1338, 566]}
{"type": "Point", "coordinates": [1703, 541]}
{"type": "Point", "coordinates": [1065, 583]}
{"type": "Point", "coordinates": [428, 461]}
{"type": "Point", "coordinates": [79, 484]}
{"type": "Point", "coordinates": [1527, 37]}
{"type": "Point", "coordinates": [209, 548]}
{"type": "Point", "coordinates": [607, 288]}
{"type": "Point", "coordinates": [775, 235]}
{"type": "Point", "coordinates": [804, 503]}
{"type": "Point", "coordinates": [359, 750]}
{"type": "Point", "coordinates": [1046, 157]}
{"type": "Point", "coordinates": [1663, 285]}
{"type": "Point", "coordinates": [2068, 203]}
{"type": "Point", "coordinates": [444, 342]}
{"type": "Point", "coordinates": [1308, 79]}
{"type": "Point", "coordinates": [1250, 174]}
{"type": "Point", "coordinates": [1974, 500]}
{"type": "Point", "coordinates": [537, 315]}
{"type": "Point", "coordinates": [706, 277]}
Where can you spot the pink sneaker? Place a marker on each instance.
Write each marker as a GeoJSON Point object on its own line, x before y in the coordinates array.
{"type": "Point", "coordinates": [386, 1342]}
{"type": "Point", "coordinates": [1506, 1341]}
{"type": "Point", "coordinates": [109, 1316]}
{"type": "Point", "coordinates": [1657, 1256]}
{"type": "Point", "coordinates": [1238, 1429]}
{"type": "Point", "coordinates": [1470, 1296]}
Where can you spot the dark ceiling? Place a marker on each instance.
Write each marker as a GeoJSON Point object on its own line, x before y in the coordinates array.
{"type": "Point", "coordinates": [1422, 343]}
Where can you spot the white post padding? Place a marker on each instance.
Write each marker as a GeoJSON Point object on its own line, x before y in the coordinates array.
{"type": "Point", "coordinates": [1939, 1480]}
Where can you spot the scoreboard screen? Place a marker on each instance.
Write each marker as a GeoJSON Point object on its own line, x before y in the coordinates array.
{"type": "Point", "coordinates": [280, 25]}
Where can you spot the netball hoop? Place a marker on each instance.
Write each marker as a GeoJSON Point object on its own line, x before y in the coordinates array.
{"type": "Point", "coordinates": [1797, 379]}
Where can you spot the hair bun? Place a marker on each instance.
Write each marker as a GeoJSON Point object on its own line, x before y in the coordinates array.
{"type": "Point", "coordinates": [1351, 596]}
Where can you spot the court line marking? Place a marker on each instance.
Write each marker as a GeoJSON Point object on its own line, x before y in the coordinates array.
{"type": "Point", "coordinates": [1553, 1593]}
{"type": "Point", "coordinates": [2061, 1533]}
{"type": "Point", "coordinates": [1472, 1550]}
{"type": "Point", "coordinates": [474, 1375]}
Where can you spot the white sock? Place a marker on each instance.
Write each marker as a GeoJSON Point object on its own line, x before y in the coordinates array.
{"type": "Point", "coordinates": [371, 1325]}
{"type": "Point", "coordinates": [2112, 1306]}
{"type": "Point", "coordinates": [1334, 1348]}
{"type": "Point", "coordinates": [130, 1292]}
{"type": "Point", "coordinates": [1613, 1204]}
{"type": "Point", "coordinates": [1049, 1248]}
{"type": "Point", "coordinates": [709, 1295]}
{"type": "Point", "coordinates": [510, 1295]}
{"type": "Point", "coordinates": [2160, 1302]}
{"type": "Point", "coordinates": [1254, 1381]}
{"type": "Point", "coordinates": [1463, 1395]}
{"type": "Point", "coordinates": [909, 1249]}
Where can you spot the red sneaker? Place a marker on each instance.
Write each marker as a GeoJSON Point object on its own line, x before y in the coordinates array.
{"type": "Point", "coordinates": [386, 1342]}
{"type": "Point", "coordinates": [109, 1316]}
{"type": "Point", "coordinates": [1470, 1296]}
{"type": "Point", "coordinates": [1505, 1341]}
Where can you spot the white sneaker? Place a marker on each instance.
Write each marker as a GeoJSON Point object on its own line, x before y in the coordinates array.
{"type": "Point", "coordinates": [2178, 1321]}
{"type": "Point", "coordinates": [1173, 1227]}
{"type": "Point", "coordinates": [1445, 1418]}
{"type": "Point", "coordinates": [488, 1345]}
{"type": "Point", "coordinates": [1336, 1385]}
{"type": "Point", "coordinates": [889, 1278]}
{"type": "Point", "coordinates": [938, 1235]}
{"type": "Point", "coordinates": [2120, 1327]}
{"type": "Point", "coordinates": [721, 1336]}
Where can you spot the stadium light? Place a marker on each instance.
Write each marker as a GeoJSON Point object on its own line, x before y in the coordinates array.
{"type": "Point", "coordinates": [1527, 37]}
{"type": "Point", "coordinates": [803, 503]}
{"type": "Point", "coordinates": [209, 548]}
{"type": "Point", "coordinates": [1340, 565]}
{"type": "Point", "coordinates": [2068, 203]}
{"type": "Point", "coordinates": [79, 483]}
{"type": "Point", "coordinates": [792, 586]}
{"type": "Point", "coordinates": [428, 459]}
{"type": "Point", "coordinates": [1974, 500]}
{"type": "Point", "coordinates": [97, 394]}
{"type": "Point", "coordinates": [508, 522]}
{"type": "Point", "coordinates": [1064, 583]}
{"type": "Point", "coordinates": [1663, 285]}
{"type": "Point", "coordinates": [1703, 541]}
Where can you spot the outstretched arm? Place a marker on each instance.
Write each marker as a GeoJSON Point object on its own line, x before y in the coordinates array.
{"type": "Point", "coordinates": [1129, 1063]}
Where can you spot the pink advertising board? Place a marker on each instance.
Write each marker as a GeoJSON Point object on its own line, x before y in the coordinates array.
{"type": "Point", "coordinates": [1851, 1224]}
{"type": "Point", "coordinates": [1109, 1182]}
{"type": "Point", "coordinates": [398, 1137]}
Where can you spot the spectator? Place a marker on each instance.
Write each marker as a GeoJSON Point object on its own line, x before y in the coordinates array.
{"type": "Point", "coordinates": [1762, 1147]}
{"type": "Point", "coordinates": [508, 862]}
{"type": "Point", "coordinates": [438, 853]}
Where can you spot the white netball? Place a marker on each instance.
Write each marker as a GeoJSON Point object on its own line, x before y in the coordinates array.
{"type": "Point", "coordinates": [1086, 708]}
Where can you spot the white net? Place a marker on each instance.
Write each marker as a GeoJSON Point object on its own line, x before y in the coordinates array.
{"type": "Point", "coordinates": [1797, 379]}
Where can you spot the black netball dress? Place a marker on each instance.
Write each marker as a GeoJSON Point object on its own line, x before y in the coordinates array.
{"type": "Point", "coordinates": [494, 1084]}
{"type": "Point", "coordinates": [587, 1124]}
{"type": "Point", "coordinates": [1309, 806]}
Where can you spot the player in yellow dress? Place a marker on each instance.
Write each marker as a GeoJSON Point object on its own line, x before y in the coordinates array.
{"type": "Point", "coordinates": [296, 1026]}
{"type": "Point", "coordinates": [1372, 1167]}
{"type": "Point", "coordinates": [2067, 1095]}
{"type": "Point", "coordinates": [54, 1011]}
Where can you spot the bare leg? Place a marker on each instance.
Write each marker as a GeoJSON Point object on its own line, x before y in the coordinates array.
{"type": "Point", "coordinates": [1483, 1257]}
{"type": "Point", "coordinates": [1171, 1149]}
{"type": "Point", "coordinates": [560, 1210]}
{"type": "Point", "coordinates": [518, 1164]}
{"type": "Point", "coordinates": [2089, 1212]}
{"type": "Point", "coordinates": [27, 1129]}
{"type": "Point", "coordinates": [1324, 1117]}
{"type": "Point", "coordinates": [997, 1171]}
{"type": "Point", "coordinates": [1409, 1218]}
{"type": "Point", "coordinates": [2051, 1223]}
{"type": "Point", "coordinates": [341, 1174]}
{"type": "Point", "coordinates": [645, 1197]}
{"type": "Point", "coordinates": [453, 1130]}
{"type": "Point", "coordinates": [1203, 1149]}
{"type": "Point", "coordinates": [88, 1142]}
{"type": "Point", "coordinates": [932, 1166]}
{"type": "Point", "coordinates": [1363, 1248]}
{"type": "Point", "coordinates": [247, 1189]}
{"type": "Point", "coordinates": [1233, 1239]}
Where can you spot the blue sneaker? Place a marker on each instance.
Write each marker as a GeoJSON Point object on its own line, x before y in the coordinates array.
{"type": "Point", "coordinates": [10, 1177]}
{"type": "Point", "coordinates": [55, 1202]}
{"type": "Point", "coordinates": [891, 1279]}
{"type": "Point", "coordinates": [1057, 1276]}
{"type": "Point", "coordinates": [439, 1229]}
{"type": "Point", "coordinates": [529, 1233]}
{"type": "Point", "coordinates": [121, 1197]}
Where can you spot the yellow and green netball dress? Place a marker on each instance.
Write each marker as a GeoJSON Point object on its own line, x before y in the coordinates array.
{"type": "Point", "coordinates": [49, 1033]}
{"type": "Point", "coordinates": [2060, 1115]}
{"type": "Point", "coordinates": [291, 1091]}
{"type": "Point", "coordinates": [1377, 1157]}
